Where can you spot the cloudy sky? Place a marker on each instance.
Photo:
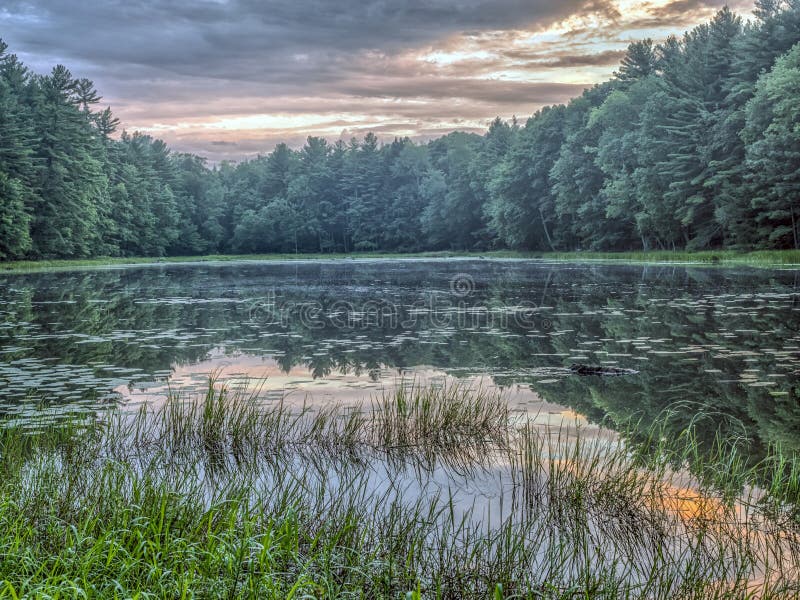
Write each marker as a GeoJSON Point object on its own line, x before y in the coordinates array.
{"type": "Point", "coordinates": [229, 79]}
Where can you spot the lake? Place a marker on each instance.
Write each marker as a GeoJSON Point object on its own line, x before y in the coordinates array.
{"type": "Point", "coordinates": [722, 343]}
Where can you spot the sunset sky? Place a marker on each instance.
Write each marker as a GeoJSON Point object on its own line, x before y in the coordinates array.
{"type": "Point", "coordinates": [228, 79]}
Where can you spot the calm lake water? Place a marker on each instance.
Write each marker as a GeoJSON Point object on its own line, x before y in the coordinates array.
{"type": "Point", "coordinates": [724, 342]}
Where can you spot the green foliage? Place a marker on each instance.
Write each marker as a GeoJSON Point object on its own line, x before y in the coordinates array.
{"type": "Point", "coordinates": [691, 146]}
{"type": "Point", "coordinates": [522, 206]}
{"type": "Point", "coordinates": [453, 216]}
{"type": "Point", "coordinates": [640, 61]}
{"type": "Point", "coordinates": [772, 134]}
{"type": "Point", "coordinates": [15, 240]}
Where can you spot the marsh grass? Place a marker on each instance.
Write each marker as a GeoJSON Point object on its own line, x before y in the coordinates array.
{"type": "Point", "coordinates": [757, 258]}
{"type": "Point", "coordinates": [766, 258]}
{"type": "Point", "coordinates": [230, 496]}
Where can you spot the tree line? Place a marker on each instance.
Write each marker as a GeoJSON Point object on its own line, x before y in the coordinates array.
{"type": "Point", "coordinates": [693, 144]}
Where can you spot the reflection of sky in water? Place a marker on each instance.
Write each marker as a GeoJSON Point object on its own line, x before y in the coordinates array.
{"type": "Point", "coordinates": [721, 338]}
{"type": "Point", "coordinates": [299, 387]}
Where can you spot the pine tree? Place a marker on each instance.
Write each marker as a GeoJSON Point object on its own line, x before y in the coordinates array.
{"type": "Point", "coordinates": [772, 135]}
{"type": "Point", "coordinates": [453, 218]}
{"type": "Point", "coordinates": [17, 165]}
{"type": "Point", "coordinates": [640, 61]}
{"type": "Point", "coordinates": [522, 209]}
{"type": "Point", "coordinates": [15, 240]}
{"type": "Point", "coordinates": [70, 179]}
{"type": "Point", "coordinates": [578, 180]}
{"type": "Point", "coordinates": [364, 177]}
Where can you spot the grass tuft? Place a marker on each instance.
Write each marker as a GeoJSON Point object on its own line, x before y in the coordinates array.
{"type": "Point", "coordinates": [427, 493]}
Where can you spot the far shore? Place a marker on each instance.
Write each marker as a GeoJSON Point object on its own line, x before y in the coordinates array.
{"type": "Point", "coordinates": [757, 258]}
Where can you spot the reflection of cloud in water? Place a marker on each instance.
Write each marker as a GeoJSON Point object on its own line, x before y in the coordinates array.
{"type": "Point", "coordinates": [299, 385]}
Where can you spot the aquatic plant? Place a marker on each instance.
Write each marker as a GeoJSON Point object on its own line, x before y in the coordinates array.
{"type": "Point", "coordinates": [231, 495]}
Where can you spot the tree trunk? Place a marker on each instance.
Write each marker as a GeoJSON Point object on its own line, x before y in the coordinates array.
{"type": "Point", "coordinates": [546, 233]}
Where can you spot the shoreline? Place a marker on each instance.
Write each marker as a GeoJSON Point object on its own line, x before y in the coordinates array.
{"type": "Point", "coordinates": [757, 258]}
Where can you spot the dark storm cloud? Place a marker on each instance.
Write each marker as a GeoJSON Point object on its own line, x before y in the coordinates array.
{"type": "Point", "coordinates": [246, 39]}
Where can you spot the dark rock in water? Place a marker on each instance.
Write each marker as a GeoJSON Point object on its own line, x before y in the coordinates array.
{"type": "Point", "coordinates": [581, 369]}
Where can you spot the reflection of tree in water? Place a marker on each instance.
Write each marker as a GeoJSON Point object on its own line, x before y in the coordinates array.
{"type": "Point", "coordinates": [704, 383]}
{"type": "Point", "coordinates": [179, 314]}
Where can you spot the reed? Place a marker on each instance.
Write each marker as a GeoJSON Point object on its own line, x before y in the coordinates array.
{"type": "Point", "coordinates": [228, 496]}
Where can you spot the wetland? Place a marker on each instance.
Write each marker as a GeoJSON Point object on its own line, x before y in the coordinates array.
{"type": "Point", "coordinates": [259, 407]}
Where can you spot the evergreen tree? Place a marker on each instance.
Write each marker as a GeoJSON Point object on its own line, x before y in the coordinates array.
{"type": "Point", "coordinates": [15, 240]}
{"type": "Point", "coordinates": [71, 180]}
{"type": "Point", "coordinates": [453, 218]}
{"type": "Point", "coordinates": [772, 135]}
{"type": "Point", "coordinates": [522, 209]}
{"type": "Point", "coordinates": [693, 144]}
{"type": "Point", "coordinates": [578, 180]}
{"type": "Point", "coordinates": [366, 204]}
{"type": "Point", "coordinates": [17, 171]}
{"type": "Point", "coordinates": [640, 61]}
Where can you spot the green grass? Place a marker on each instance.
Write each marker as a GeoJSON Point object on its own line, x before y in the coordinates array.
{"type": "Point", "coordinates": [765, 258]}
{"type": "Point", "coordinates": [229, 496]}
{"type": "Point", "coordinates": [707, 257]}
{"type": "Point", "coordinates": [34, 265]}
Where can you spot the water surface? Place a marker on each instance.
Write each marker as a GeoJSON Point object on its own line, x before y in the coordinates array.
{"type": "Point", "coordinates": [719, 342]}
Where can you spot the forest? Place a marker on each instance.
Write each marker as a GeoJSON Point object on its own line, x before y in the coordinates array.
{"type": "Point", "coordinates": [693, 144]}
